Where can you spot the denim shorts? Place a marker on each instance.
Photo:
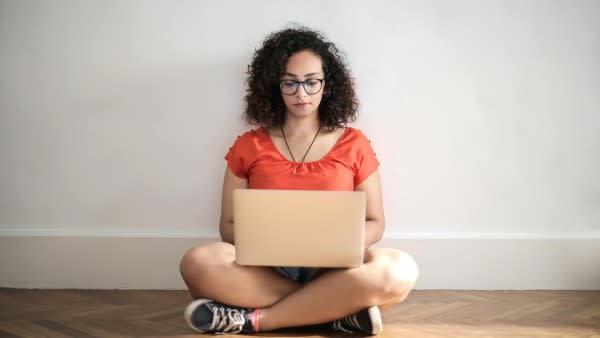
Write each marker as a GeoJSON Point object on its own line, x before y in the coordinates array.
{"type": "Point", "coordinates": [301, 275]}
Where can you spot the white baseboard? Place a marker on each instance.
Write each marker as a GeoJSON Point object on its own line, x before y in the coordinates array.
{"type": "Point", "coordinates": [133, 260]}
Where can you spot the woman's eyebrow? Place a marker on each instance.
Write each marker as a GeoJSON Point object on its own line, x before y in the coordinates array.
{"type": "Point", "coordinates": [309, 74]}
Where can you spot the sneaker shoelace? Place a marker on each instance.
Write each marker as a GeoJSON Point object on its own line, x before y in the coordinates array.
{"type": "Point", "coordinates": [349, 321]}
{"type": "Point", "coordinates": [230, 322]}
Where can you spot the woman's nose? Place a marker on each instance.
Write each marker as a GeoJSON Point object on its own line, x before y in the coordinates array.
{"type": "Point", "coordinates": [301, 92]}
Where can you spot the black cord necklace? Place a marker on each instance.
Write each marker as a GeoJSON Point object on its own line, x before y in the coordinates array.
{"type": "Point", "coordinates": [307, 150]}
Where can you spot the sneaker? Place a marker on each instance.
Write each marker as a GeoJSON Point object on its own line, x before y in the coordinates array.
{"type": "Point", "coordinates": [366, 321]}
{"type": "Point", "coordinates": [208, 316]}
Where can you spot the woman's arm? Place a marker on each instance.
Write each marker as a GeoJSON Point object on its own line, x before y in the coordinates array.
{"type": "Point", "coordinates": [375, 222]}
{"type": "Point", "coordinates": [230, 183]}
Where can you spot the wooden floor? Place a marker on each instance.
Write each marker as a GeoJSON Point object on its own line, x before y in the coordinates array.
{"type": "Point", "coordinates": [83, 314]}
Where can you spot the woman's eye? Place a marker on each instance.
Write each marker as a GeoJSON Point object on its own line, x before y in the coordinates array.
{"type": "Point", "coordinates": [312, 82]}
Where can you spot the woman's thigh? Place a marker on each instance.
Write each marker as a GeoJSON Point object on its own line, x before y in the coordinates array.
{"type": "Point", "coordinates": [210, 271]}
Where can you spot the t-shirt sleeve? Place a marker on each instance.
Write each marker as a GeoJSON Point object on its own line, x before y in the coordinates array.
{"type": "Point", "coordinates": [366, 160]}
{"type": "Point", "coordinates": [238, 157]}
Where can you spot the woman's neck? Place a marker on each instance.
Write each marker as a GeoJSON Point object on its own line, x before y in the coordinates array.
{"type": "Point", "coordinates": [294, 128]}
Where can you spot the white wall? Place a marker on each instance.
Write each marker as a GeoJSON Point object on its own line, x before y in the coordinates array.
{"type": "Point", "coordinates": [115, 115]}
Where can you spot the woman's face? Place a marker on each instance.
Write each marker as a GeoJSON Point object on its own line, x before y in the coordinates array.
{"type": "Point", "coordinates": [303, 66]}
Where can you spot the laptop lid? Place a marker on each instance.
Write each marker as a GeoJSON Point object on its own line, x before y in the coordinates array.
{"type": "Point", "coordinates": [299, 227]}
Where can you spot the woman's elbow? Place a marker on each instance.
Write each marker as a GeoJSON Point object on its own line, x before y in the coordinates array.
{"type": "Point", "coordinates": [226, 232]}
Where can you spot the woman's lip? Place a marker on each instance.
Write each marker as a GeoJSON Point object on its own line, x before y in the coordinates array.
{"type": "Point", "coordinates": [300, 104]}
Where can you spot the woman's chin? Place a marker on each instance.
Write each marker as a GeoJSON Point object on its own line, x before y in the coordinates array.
{"type": "Point", "coordinates": [301, 113]}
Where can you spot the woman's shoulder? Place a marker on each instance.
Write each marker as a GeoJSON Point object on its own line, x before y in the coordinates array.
{"type": "Point", "coordinates": [355, 135]}
{"type": "Point", "coordinates": [247, 144]}
{"type": "Point", "coordinates": [252, 134]}
{"type": "Point", "coordinates": [355, 141]}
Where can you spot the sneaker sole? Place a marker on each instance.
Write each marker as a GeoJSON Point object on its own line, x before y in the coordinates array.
{"type": "Point", "coordinates": [187, 314]}
{"type": "Point", "coordinates": [375, 316]}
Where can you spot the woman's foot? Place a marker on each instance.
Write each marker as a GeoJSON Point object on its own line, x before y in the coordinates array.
{"type": "Point", "coordinates": [366, 321]}
{"type": "Point", "coordinates": [209, 316]}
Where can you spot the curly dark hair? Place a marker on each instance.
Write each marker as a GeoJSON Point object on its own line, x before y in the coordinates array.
{"type": "Point", "coordinates": [264, 104]}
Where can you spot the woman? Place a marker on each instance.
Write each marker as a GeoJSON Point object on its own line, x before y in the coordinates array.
{"type": "Point", "coordinates": [302, 96]}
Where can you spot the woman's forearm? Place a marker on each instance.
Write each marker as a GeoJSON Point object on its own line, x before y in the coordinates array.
{"type": "Point", "coordinates": [373, 232]}
{"type": "Point", "coordinates": [226, 231]}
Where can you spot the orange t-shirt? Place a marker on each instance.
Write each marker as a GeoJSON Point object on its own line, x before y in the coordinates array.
{"type": "Point", "coordinates": [254, 157]}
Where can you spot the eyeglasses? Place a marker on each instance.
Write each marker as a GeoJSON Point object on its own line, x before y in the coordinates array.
{"type": "Point", "coordinates": [311, 86]}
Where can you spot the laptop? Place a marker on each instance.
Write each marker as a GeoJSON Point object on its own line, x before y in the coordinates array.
{"type": "Point", "coordinates": [306, 228]}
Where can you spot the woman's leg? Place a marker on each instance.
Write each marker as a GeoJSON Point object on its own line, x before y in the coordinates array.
{"type": "Point", "coordinates": [210, 271]}
{"type": "Point", "coordinates": [386, 278]}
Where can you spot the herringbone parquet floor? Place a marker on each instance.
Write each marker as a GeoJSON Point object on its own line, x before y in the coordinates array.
{"type": "Point", "coordinates": [87, 313]}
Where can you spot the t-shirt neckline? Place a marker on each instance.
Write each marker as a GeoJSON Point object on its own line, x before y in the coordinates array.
{"type": "Point", "coordinates": [272, 144]}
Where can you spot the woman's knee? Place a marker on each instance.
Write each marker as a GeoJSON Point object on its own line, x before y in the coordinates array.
{"type": "Point", "coordinates": [399, 273]}
{"type": "Point", "coordinates": [199, 260]}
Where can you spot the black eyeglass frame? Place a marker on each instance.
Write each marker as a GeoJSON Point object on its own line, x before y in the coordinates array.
{"type": "Point", "coordinates": [303, 83]}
